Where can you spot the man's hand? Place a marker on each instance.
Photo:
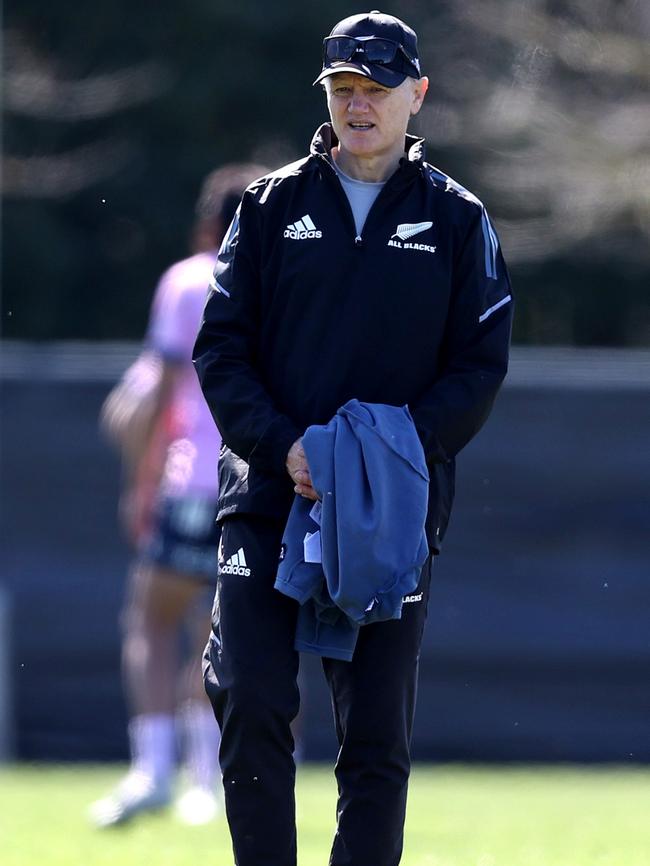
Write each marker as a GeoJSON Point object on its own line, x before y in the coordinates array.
{"type": "Point", "coordinates": [298, 469]}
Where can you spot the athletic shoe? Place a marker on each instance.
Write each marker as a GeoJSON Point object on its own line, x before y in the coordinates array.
{"type": "Point", "coordinates": [198, 805]}
{"type": "Point", "coordinates": [137, 793]}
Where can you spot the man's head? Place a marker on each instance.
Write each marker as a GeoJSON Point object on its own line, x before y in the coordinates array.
{"type": "Point", "coordinates": [220, 194]}
{"type": "Point", "coordinates": [371, 74]}
{"type": "Point", "coordinates": [377, 46]}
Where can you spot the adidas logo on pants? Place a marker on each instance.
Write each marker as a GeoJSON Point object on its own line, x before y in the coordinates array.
{"type": "Point", "coordinates": [236, 564]}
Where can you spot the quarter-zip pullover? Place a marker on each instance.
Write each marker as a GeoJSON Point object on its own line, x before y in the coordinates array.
{"type": "Point", "coordinates": [304, 314]}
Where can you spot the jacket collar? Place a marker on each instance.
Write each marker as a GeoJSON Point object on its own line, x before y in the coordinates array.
{"type": "Point", "coordinates": [325, 139]}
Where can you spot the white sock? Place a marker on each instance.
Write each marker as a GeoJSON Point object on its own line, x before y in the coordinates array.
{"type": "Point", "coordinates": [153, 745]}
{"type": "Point", "coordinates": [201, 741]}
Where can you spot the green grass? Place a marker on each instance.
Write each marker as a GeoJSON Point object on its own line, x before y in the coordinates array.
{"type": "Point", "coordinates": [458, 816]}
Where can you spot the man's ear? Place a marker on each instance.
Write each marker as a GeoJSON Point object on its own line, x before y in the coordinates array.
{"type": "Point", "coordinates": [419, 92]}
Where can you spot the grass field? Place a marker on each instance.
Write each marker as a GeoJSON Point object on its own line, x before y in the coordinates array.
{"type": "Point", "coordinates": [458, 816]}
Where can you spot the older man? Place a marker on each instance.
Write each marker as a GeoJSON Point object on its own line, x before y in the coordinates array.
{"type": "Point", "coordinates": [358, 272]}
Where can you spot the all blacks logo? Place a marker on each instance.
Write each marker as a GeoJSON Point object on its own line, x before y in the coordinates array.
{"type": "Point", "coordinates": [302, 235]}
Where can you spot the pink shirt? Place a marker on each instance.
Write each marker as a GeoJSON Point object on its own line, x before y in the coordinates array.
{"type": "Point", "coordinates": [177, 308]}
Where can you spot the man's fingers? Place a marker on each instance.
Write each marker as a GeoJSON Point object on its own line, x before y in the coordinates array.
{"type": "Point", "coordinates": [298, 469]}
{"type": "Point", "coordinates": [307, 492]}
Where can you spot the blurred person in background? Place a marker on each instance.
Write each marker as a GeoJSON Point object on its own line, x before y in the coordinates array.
{"type": "Point", "coordinates": [359, 272]}
{"type": "Point", "coordinates": [170, 445]}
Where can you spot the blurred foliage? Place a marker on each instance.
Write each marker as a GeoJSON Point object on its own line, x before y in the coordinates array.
{"type": "Point", "coordinates": [113, 113]}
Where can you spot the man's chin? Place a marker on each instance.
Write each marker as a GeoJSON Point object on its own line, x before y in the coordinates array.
{"type": "Point", "coordinates": [359, 149]}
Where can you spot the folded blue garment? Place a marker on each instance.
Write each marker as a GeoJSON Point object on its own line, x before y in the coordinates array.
{"type": "Point", "coordinates": [368, 467]}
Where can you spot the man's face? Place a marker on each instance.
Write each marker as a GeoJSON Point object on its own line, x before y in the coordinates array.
{"type": "Point", "coordinates": [368, 118]}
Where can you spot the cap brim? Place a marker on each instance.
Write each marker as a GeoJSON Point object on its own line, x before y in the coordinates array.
{"type": "Point", "coordinates": [380, 74]}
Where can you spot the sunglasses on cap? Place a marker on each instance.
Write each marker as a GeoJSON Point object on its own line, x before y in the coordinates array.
{"type": "Point", "coordinates": [375, 50]}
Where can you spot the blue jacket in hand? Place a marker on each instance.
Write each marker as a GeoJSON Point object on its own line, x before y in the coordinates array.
{"type": "Point", "coordinates": [368, 468]}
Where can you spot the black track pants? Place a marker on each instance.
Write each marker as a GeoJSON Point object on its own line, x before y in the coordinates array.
{"type": "Point", "coordinates": [250, 675]}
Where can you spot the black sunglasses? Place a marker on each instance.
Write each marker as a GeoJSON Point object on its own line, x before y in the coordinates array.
{"type": "Point", "coordinates": [375, 50]}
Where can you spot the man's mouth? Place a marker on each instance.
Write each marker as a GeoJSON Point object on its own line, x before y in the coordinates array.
{"type": "Point", "coordinates": [360, 126]}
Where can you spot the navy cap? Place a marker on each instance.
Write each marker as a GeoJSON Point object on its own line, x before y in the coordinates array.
{"type": "Point", "coordinates": [376, 25]}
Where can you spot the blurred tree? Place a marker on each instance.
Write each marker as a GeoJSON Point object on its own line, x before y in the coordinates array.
{"type": "Point", "coordinates": [542, 107]}
{"type": "Point", "coordinates": [115, 111]}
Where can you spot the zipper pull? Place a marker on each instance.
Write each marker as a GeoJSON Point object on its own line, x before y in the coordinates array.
{"type": "Point", "coordinates": [358, 241]}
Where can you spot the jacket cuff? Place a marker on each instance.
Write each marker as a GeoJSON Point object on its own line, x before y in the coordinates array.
{"type": "Point", "coordinates": [271, 449]}
{"type": "Point", "coordinates": [433, 450]}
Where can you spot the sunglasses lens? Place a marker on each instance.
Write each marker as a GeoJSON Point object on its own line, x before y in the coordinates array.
{"type": "Point", "coordinates": [340, 48]}
{"type": "Point", "coordinates": [379, 50]}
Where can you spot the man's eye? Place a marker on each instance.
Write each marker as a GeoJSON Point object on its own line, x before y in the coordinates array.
{"type": "Point", "coordinates": [343, 91]}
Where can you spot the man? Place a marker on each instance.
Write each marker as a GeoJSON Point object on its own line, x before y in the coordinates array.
{"type": "Point", "coordinates": [357, 272]}
{"type": "Point", "coordinates": [170, 444]}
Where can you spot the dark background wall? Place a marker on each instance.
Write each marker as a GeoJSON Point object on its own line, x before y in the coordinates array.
{"type": "Point", "coordinates": [537, 645]}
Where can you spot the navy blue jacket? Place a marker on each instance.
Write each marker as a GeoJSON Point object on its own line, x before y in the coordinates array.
{"type": "Point", "coordinates": [368, 468]}
{"type": "Point", "coordinates": [304, 315]}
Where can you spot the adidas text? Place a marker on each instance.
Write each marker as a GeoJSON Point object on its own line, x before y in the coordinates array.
{"type": "Point", "coordinates": [235, 569]}
{"type": "Point", "coordinates": [301, 236]}
{"type": "Point", "coordinates": [303, 229]}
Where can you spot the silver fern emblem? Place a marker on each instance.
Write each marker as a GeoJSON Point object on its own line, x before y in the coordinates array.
{"type": "Point", "coordinates": [407, 230]}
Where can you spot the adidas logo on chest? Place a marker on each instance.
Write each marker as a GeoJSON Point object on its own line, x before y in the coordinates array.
{"type": "Point", "coordinates": [303, 229]}
{"type": "Point", "coordinates": [236, 564]}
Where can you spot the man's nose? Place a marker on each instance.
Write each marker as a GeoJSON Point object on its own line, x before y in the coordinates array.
{"type": "Point", "coordinates": [358, 101]}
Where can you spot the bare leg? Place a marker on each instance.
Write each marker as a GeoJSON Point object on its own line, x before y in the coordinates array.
{"type": "Point", "coordinates": [201, 801]}
{"type": "Point", "coordinates": [158, 603]}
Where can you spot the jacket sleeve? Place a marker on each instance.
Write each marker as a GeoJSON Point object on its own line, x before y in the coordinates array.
{"type": "Point", "coordinates": [474, 358]}
{"type": "Point", "coordinates": [225, 351]}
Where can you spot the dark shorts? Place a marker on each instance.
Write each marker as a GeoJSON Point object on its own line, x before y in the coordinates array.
{"type": "Point", "coordinates": [185, 537]}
